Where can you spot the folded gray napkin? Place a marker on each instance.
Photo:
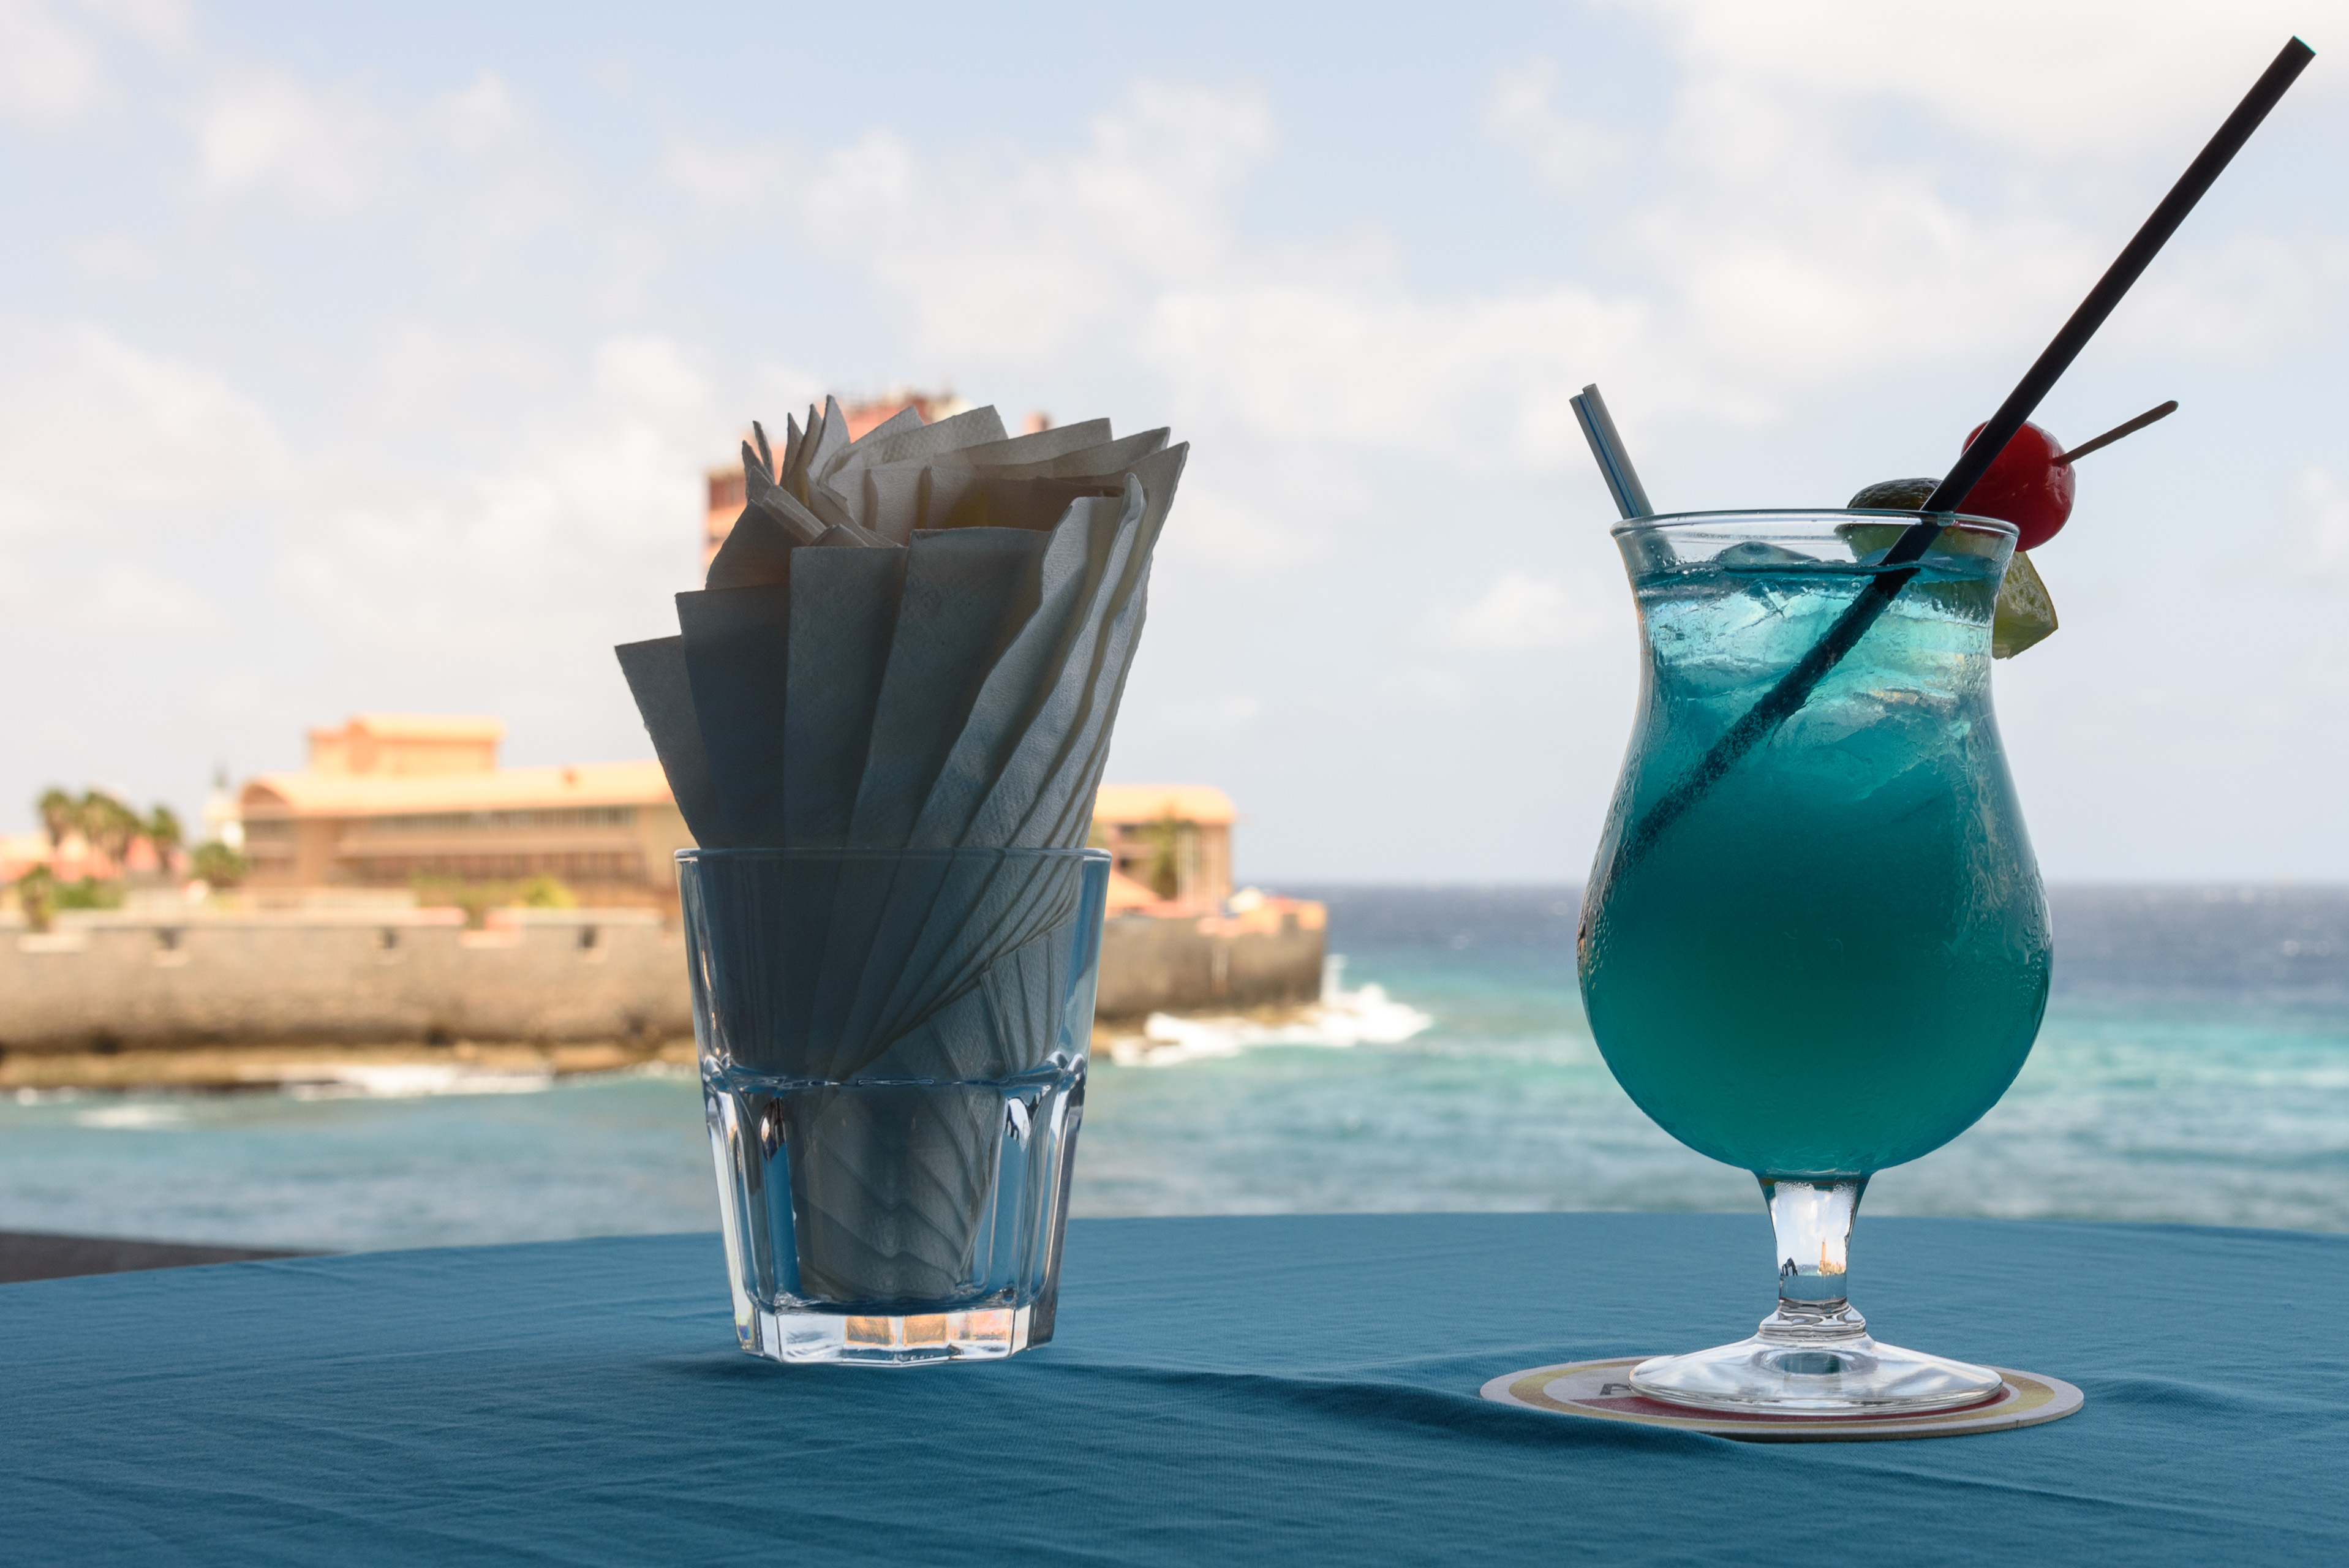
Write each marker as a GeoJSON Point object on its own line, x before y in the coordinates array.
{"type": "Point", "coordinates": [915, 640]}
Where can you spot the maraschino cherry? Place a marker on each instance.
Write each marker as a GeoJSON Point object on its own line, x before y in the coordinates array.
{"type": "Point", "coordinates": [2028, 485]}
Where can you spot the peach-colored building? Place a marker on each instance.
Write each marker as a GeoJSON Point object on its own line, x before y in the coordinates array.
{"type": "Point", "coordinates": [391, 798]}
{"type": "Point", "coordinates": [1173, 845]}
{"type": "Point", "coordinates": [388, 799]}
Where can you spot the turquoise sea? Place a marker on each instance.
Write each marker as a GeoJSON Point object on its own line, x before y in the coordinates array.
{"type": "Point", "coordinates": [2194, 1066]}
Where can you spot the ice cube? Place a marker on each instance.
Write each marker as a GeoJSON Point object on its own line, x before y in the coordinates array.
{"type": "Point", "coordinates": [1754, 555]}
{"type": "Point", "coordinates": [1766, 560]}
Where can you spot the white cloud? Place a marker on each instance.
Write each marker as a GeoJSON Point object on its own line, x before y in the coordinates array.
{"type": "Point", "coordinates": [2321, 670]}
{"type": "Point", "coordinates": [2238, 301]}
{"type": "Point", "coordinates": [1289, 363]}
{"type": "Point", "coordinates": [127, 600]}
{"type": "Point", "coordinates": [1568, 154]}
{"type": "Point", "coordinates": [2321, 507]}
{"type": "Point", "coordinates": [2088, 79]}
{"type": "Point", "coordinates": [1782, 254]}
{"type": "Point", "coordinates": [1017, 258]}
{"type": "Point", "coordinates": [52, 71]}
{"type": "Point", "coordinates": [97, 435]}
{"type": "Point", "coordinates": [465, 184]}
{"type": "Point", "coordinates": [262, 131]}
{"type": "Point", "coordinates": [1785, 250]}
{"type": "Point", "coordinates": [653, 372]}
{"type": "Point", "coordinates": [1523, 612]}
{"type": "Point", "coordinates": [561, 535]}
{"type": "Point", "coordinates": [1428, 686]}
{"type": "Point", "coordinates": [112, 459]}
{"type": "Point", "coordinates": [265, 131]}
{"type": "Point", "coordinates": [164, 25]}
{"type": "Point", "coordinates": [743, 184]}
{"type": "Point", "coordinates": [1219, 715]}
{"type": "Point", "coordinates": [1804, 227]}
{"type": "Point", "coordinates": [1128, 250]}
{"type": "Point", "coordinates": [1335, 347]}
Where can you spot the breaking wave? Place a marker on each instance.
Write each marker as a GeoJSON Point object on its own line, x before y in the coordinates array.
{"type": "Point", "coordinates": [1340, 1020]}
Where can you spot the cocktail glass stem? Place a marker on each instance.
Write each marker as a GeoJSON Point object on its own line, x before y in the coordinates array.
{"type": "Point", "coordinates": [1814, 1354]}
{"type": "Point", "coordinates": [1812, 1217]}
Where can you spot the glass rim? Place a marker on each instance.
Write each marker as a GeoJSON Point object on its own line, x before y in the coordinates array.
{"type": "Point", "coordinates": [1964, 521]}
{"type": "Point", "coordinates": [868, 852]}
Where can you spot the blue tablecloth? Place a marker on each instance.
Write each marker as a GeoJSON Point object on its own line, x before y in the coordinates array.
{"type": "Point", "coordinates": [1298, 1389]}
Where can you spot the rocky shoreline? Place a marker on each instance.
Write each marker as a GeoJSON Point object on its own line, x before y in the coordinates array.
{"type": "Point", "coordinates": [272, 1067]}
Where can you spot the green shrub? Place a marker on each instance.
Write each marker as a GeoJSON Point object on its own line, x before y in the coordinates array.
{"type": "Point", "coordinates": [220, 866]}
{"type": "Point", "coordinates": [89, 893]}
{"type": "Point", "coordinates": [477, 898]}
{"type": "Point", "coordinates": [546, 893]}
{"type": "Point", "coordinates": [36, 895]}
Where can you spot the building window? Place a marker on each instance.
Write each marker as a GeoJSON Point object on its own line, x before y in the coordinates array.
{"type": "Point", "coordinates": [577, 865]}
{"type": "Point", "coordinates": [499, 821]}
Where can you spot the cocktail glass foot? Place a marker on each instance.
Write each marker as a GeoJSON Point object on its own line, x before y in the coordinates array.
{"type": "Point", "coordinates": [1814, 1356]}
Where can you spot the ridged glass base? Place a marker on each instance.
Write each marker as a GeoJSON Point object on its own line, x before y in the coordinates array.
{"type": "Point", "coordinates": [1813, 1373]}
{"type": "Point", "coordinates": [921, 1340]}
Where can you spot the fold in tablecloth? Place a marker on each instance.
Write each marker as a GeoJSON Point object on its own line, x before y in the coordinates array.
{"type": "Point", "coordinates": [1295, 1390]}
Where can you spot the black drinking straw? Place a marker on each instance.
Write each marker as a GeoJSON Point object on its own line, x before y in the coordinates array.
{"type": "Point", "coordinates": [1794, 688]}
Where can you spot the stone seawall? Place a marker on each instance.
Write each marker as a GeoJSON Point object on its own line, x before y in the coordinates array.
{"type": "Point", "coordinates": [1270, 957]}
{"type": "Point", "coordinates": [119, 981]}
{"type": "Point", "coordinates": [126, 982]}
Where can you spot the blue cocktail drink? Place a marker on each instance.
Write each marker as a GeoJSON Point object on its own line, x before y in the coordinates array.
{"type": "Point", "coordinates": [1832, 957]}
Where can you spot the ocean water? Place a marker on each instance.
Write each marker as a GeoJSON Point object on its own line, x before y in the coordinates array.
{"type": "Point", "coordinates": [2194, 1066]}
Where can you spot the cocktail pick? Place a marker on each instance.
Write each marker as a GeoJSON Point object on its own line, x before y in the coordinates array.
{"type": "Point", "coordinates": [1607, 446]}
{"type": "Point", "coordinates": [1898, 564]}
{"type": "Point", "coordinates": [2150, 417]}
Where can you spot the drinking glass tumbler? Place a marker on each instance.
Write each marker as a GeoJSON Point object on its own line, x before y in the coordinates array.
{"type": "Point", "coordinates": [893, 1046]}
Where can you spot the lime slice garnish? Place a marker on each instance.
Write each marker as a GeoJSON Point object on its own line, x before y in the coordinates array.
{"type": "Point", "coordinates": [2025, 615]}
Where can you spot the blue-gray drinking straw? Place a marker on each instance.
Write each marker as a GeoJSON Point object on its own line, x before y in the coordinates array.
{"type": "Point", "coordinates": [1614, 462]}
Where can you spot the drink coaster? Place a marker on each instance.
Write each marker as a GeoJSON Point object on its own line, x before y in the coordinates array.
{"type": "Point", "coordinates": [1601, 1390]}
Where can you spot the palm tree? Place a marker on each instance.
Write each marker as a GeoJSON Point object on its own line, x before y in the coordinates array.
{"type": "Point", "coordinates": [60, 815]}
{"type": "Point", "coordinates": [107, 824]}
{"type": "Point", "coordinates": [1167, 838]}
{"type": "Point", "coordinates": [163, 831]}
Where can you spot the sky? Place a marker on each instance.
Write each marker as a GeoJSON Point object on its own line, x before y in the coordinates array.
{"type": "Point", "coordinates": [369, 358]}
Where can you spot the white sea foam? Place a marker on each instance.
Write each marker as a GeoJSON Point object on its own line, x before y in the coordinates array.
{"type": "Point", "coordinates": [1340, 1021]}
{"type": "Point", "coordinates": [136, 1116]}
{"type": "Point", "coordinates": [416, 1081]}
